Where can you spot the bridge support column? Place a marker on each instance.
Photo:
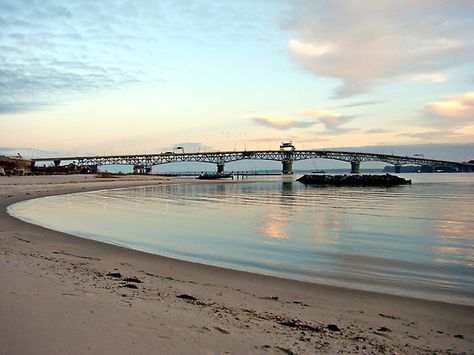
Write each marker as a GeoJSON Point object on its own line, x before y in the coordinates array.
{"type": "Point", "coordinates": [398, 168]}
{"type": "Point", "coordinates": [220, 168]}
{"type": "Point", "coordinates": [287, 167]}
{"type": "Point", "coordinates": [94, 169]}
{"type": "Point", "coordinates": [355, 167]}
{"type": "Point", "coordinates": [138, 169]}
{"type": "Point", "coordinates": [57, 163]}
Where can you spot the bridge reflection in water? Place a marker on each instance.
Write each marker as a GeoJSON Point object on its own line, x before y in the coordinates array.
{"type": "Point", "coordinates": [144, 163]}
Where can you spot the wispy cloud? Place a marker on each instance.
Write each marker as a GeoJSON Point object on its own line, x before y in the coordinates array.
{"type": "Point", "coordinates": [54, 49]}
{"type": "Point", "coordinates": [377, 130]}
{"type": "Point", "coordinates": [433, 77]}
{"type": "Point", "coordinates": [431, 135]}
{"type": "Point", "coordinates": [365, 43]}
{"type": "Point", "coordinates": [455, 107]}
{"type": "Point", "coordinates": [282, 123]}
{"type": "Point", "coordinates": [362, 103]}
{"type": "Point", "coordinates": [331, 120]}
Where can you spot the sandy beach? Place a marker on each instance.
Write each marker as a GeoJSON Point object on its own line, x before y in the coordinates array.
{"type": "Point", "coordinates": [61, 294]}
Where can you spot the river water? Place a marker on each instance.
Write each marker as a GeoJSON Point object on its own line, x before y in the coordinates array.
{"type": "Point", "coordinates": [414, 240]}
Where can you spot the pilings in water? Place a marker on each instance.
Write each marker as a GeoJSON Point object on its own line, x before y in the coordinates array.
{"type": "Point", "coordinates": [287, 167]}
{"type": "Point", "coordinates": [355, 167]}
{"type": "Point", "coordinates": [140, 169]}
{"type": "Point", "coordinates": [220, 168]}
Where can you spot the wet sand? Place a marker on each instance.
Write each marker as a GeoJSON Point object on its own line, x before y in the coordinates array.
{"type": "Point", "coordinates": [63, 294]}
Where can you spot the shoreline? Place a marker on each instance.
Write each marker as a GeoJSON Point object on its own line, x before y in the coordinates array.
{"type": "Point", "coordinates": [452, 299]}
{"type": "Point", "coordinates": [225, 310]}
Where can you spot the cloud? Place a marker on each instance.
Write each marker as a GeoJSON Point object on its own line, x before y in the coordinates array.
{"type": "Point", "coordinates": [455, 107]}
{"type": "Point", "coordinates": [275, 140]}
{"type": "Point", "coordinates": [362, 103]}
{"type": "Point", "coordinates": [308, 50]}
{"type": "Point", "coordinates": [282, 123]}
{"type": "Point", "coordinates": [433, 77]}
{"type": "Point", "coordinates": [431, 134]}
{"type": "Point", "coordinates": [331, 120]}
{"type": "Point", "coordinates": [18, 107]}
{"type": "Point", "coordinates": [365, 43]}
{"type": "Point", "coordinates": [52, 50]}
{"type": "Point", "coordinates": [377, 130]}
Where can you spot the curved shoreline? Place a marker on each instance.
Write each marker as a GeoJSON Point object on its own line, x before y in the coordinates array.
{"type": "Point", "coordinates": [409, 292]}
{"type": "Point", "coordinates": [36, 260]}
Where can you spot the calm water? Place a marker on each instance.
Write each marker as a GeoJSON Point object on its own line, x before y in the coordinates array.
{"type": "Point", "coordinates": [413, 240]}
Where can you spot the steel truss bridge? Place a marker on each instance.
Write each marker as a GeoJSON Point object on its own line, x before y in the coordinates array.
{"type": "Point", "coordinates": [144, 162]}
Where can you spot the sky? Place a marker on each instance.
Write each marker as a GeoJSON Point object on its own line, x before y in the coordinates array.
{"type": "Point", "coordinates": [115, 77]}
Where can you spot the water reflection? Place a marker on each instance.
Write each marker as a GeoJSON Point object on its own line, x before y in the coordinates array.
{"type": "Point", "coordinates": [275, 226]}
{"type": "Point", "coordinates": [415, 239]}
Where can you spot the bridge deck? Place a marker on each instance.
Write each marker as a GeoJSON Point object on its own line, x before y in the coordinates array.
{"type": "Point", "coordinates": [230, 156]}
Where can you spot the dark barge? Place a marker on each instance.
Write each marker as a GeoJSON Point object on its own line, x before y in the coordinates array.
{"type": "Point", "coordinates": [354, 180]}
{"type": "Point", "coordinates": [210, 176]}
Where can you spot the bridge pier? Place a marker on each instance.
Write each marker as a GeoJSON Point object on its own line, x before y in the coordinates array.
{"type": "Point", "coordinates": [57, 163]}
{"type": "Point", "coordinates": [355, 167]}
{"type": "Point", "coordinates": [220, 168]}
{"type": "Point", "coordinates": [287, 167]}
{"type": "Point", "coordinates": [93, 168]}
{"type": "Point", "coordinates": [140, 169]}
{"type": "Point", "coordinates": [398, 168]}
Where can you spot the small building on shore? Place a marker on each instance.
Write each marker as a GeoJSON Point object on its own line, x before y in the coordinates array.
{"type": "Point", "coordinates": [14, 166]}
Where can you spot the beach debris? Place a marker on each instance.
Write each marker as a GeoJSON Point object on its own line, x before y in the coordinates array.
{"type": "Point", "coordinates": [384, 329]}
{"type": "Point", "coordinates": [301, 303]}
{"type": "Point", "coordinates": [359, 338]}
{"type": "Point", "coordinates": [184, 296]}
{"type": "Point", "coordinates": [460, 336]}
{"type": "Point", "coordinates": [272, 349]}
{"type": "Point", "coordinates": [114, 274]}
{"type": "Point", "coordinates": [132, 279]}
{"type": "Point", "coordinates": [274, 298]}
{"type": "Point", "coordinates": [222, 330]}
{"type": "Point", "coordinates": [283, 320]}
{"type": "Point", "coordinates": [333, 328]}
{"type": "Point", "coordinates": [286, 351]}
{"type": "Point", "coordinates": [131, 286]}
{"type": "Point", "coordinates": [298, 324]}
{"type": "Point", "coordinates": [388, 316]}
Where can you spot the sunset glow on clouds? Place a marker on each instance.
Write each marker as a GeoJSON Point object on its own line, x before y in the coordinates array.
{"type": "Point", "coordinates": [456, 106]}
{"type": "Point", "coordinates": [366, 43]}
{"type": "Point", "coordinates": [135, 76]}
{"type": "Point", "coordinates": [280, 122]}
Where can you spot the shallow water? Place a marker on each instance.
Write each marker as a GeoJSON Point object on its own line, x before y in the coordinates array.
{"type": "Point", "coordinates": [413, 240]}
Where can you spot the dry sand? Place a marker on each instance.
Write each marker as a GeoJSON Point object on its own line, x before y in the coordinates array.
{"type": "Point", "coordinates": [56, 297]}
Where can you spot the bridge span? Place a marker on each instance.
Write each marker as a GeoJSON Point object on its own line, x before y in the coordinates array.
{"type": "Point", "coordinates": [145, 162]}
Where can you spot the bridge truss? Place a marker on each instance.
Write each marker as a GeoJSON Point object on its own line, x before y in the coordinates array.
{"type": "Point", "coordinates": [286, 157]}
